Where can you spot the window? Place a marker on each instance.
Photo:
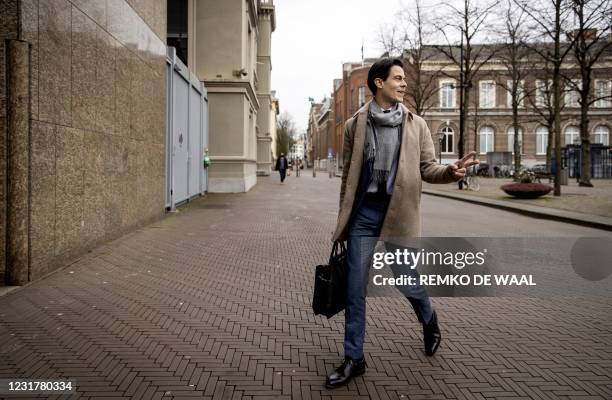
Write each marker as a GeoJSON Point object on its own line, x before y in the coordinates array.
{"type": "Point", "coordinates": [543, 89]}
{"type": "Point", "coordinates": [601, 135]}
{"type": "Point", "coordinates": [572, 96]}
{"type": "Point", "coordinates": [447, 94]}
{"type": "Point", "coordinates": [572, 135]}
{"type": "Point", "coordinates": [361, 94]}
{"type": "Point", "coordinates": [603, 92]}
{"type": "Point", "coordinates": [487, 94]}
{"type": "Point", "coordinates": [520, 93]}
{"type": "Point", "coordinates": [486, 139]}
{"type": "Point", "coordinates": [447, 141]}
{"type": "Point", "coordinates": [541, 140]}
{"type": "Point", "coordinates": [511, 139]}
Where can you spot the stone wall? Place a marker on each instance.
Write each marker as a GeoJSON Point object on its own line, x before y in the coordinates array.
{"type": "Point", "coordinates": [97, 125]}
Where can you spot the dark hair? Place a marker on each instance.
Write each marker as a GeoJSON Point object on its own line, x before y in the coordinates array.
{"type": "Point", "coordinates": [380, 69]}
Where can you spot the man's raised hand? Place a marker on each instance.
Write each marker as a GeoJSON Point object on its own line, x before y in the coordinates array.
{"type": "Point", "coordinates": [458, 168]}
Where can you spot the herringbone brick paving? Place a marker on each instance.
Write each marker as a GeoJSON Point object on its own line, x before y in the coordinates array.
{"type": "Point", "coordinates": [214, 302]}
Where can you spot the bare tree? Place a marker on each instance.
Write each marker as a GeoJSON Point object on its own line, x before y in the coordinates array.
{"type": "Point", "coordinates": [593, 20]}
{"type": "Point", "coordinates": [285, 132]}
{"type": "Point", "coordinates": [540, 100]}
{"type": "Point", "coordinates": [550, 19]}
{"type": "Point", "coordinates": [408, 38]}
{"type": "Point", "coordinates": [514, 56]}
{"type": "Point", "coordinates": [422, 86]}
{"type": "Point", "coordinates": [392, 39]}
{"type": "Point", "coordinates": [470, 20]}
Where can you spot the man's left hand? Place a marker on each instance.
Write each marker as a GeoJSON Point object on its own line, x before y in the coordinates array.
{"type": "Point", "coordinates": [459, 167]}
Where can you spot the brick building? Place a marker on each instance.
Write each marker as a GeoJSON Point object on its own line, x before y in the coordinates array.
{"type": "Point", "coordinates": [489, 123]}
{"type": "Point", "coordinates": [350, 93]}
{"type": "Point", "coordinates": [320, 132]}
{"type": "Point", "coordinates": [489, 120]}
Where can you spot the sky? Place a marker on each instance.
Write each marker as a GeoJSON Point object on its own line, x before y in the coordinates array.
{"type": "Point", "coordinates": [311, 41]}
{"type": "Point", "coordinates": [314, 37]}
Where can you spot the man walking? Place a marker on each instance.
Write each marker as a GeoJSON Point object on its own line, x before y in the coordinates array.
{"type": "Point", "coordinates": [281, 167]}
{"type": "Point", "coordinates": [387, 152]}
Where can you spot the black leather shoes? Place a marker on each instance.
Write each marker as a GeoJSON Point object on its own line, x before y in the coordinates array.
{"type": "Point", "coordinates": [344, 373]}
{"type": "Point", "coordinates": [431, 336]}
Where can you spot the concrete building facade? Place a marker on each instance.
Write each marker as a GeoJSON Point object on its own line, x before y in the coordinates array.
{"type": "Point", "coordinates": [312, 132]}
{"type": "Point", "coordinates": [266, 114]}
{"type": "Point", "coordinates": [297, 150]}
{"type": "Point", "coordinates": [229, 50]}
{"type": "Point", "coordinates": [273, 120]}
{"type": "Point", "coordinates": [82, 121]}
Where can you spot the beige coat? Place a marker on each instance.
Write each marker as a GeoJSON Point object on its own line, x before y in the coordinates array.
{"type": "Point", "coordinates": [416, 163]}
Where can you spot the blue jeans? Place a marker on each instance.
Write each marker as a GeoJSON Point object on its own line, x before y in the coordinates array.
{"type": "Point", "coordinates": [363, 232]}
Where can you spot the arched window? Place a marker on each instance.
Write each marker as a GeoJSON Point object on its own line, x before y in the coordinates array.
{"type": "Point", "coordinates": [447, 140]}
{"type": "Point", "coordinates": [601, 135]}
{"type": "Point", "coordinates": [511, 139]}
{"type": "Point", "coordinates": [486, 139]}
{"type": "Point", "coordinates": [572, 135]}
{"type": "Point", "coordinates": [541, 140]}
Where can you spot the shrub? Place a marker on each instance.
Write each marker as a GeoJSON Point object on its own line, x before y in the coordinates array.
{"type": "Point", "coordinates": [525, 176]}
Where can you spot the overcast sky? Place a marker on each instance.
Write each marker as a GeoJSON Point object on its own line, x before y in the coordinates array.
{"type": "Point", "coordinates": [314, 37]}
{"type": "Point", "coordinates": [312, 40]}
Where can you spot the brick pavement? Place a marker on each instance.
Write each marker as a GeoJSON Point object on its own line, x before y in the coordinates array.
{"type": "Point", "coordinates": [596, 201]}
{"type": "Point", "coordinates": [214, 302]}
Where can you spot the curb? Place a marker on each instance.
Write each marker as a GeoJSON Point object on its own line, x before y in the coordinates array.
{"type": "Point", "coordinates": [593, 221]}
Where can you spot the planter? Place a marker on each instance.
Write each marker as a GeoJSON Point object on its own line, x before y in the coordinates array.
{"type": "Point", "coordinates": [526, 190]}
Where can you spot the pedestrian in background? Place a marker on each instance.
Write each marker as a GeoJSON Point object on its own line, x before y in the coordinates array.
{"type": "Point", "coordinates": [281, 167]}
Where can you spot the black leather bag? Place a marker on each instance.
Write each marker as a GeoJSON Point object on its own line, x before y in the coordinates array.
{"type": "Point", "coordinates": [329, 297]}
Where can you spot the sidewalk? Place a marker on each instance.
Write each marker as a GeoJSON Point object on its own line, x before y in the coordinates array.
{"type": "Point", "coordinates": [581, 205]}
{"type": "Point", "coordinates": [214, 302]}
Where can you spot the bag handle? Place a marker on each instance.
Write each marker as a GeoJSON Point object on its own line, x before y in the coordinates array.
{"type": "Point", "coordinates": [335, 251]}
